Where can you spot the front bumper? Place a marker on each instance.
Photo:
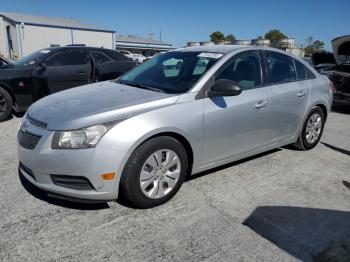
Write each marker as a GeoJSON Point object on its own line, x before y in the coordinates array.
{"type": "Point", "coordinates": [39, 164]}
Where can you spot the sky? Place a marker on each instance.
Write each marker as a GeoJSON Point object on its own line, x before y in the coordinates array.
{"type": "Point", "coordinates": [183, 21]}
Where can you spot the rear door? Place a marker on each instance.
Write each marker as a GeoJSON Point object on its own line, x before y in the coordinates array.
{"type": "Point", "coordinates": [289, 96]}
{"type": "Point", "coordinates": [66, 69]}
{"type": "Point", "coordinates": [110, 64]}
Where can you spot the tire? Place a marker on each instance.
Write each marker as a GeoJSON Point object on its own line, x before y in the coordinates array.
{"type": "Point", "coordinates": [304, 142]}
{"type": "Point", "coordinates": [152, 158]}
{"type": "Point", "coordinates": [6, 104]}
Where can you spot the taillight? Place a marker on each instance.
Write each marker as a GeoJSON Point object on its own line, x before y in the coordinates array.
{"type": "Point", "coordinates": [331, 87]}
{"type": "Point", "coordinates": [21, 84]}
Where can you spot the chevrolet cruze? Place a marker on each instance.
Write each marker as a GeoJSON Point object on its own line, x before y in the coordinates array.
{"type": "Point", "coordinates": [178, 114]}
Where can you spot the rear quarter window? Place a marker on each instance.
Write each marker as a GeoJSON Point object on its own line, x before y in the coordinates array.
{"type": "Point", "coordinates": [303, 73]}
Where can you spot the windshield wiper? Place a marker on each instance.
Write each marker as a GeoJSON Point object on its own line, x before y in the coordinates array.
{"type": "Point", "coordinates": [139, 85]}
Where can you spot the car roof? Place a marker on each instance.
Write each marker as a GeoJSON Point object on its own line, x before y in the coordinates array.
{"type": "Point", "coordinates": [224, 49]}
{"type": "Point", "coordinates": [57, 48]}
{"type": "Point", "coordinates": [214, 48]}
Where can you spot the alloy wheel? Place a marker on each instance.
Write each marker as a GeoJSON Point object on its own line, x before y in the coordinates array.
{"type": "Point", "coordinates": [313, 128]}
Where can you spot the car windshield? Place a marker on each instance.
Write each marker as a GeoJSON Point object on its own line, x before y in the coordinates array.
{"type": "Point", "coordinates": [171, 72]}
{"type": "Point", "coordinates": [31, 59]}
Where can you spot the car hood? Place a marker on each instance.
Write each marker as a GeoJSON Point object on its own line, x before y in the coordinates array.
{"type": "Point", "coordinates": [96, 103]}
{"type": "Point", "coordinates": [341, 48]}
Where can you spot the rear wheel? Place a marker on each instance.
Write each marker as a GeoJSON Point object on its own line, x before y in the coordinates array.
{"type": "Point", "coordinates": [154, 172]}
{"type": "Point", "coordinates": [6, 104]}
{"type": "Point", "coordinates": [312, 130]}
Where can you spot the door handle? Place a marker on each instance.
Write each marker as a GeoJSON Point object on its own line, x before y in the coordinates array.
{"type": "Point", "coordinates": [81, 72]}
{"type": "Point", "coordinates": [301, 94]}
{"type": "Point", "coordinates": [261, 104]}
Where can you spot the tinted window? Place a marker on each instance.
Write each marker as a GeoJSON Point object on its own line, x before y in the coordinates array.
{"type": "Point", "coordinates": [68, 57]}
{"type": "Point", "coordinates": [309, 74]}
{"type": "Point", "coordinates": [244, 69]}
{"type": "Point", "coordinates": [301, 70]}
{"type": "Point", "coordinates": [280, 68]}
{"type": "Point", "coordinates": [100, 58]}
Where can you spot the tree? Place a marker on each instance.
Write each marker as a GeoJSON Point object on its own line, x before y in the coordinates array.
{"type": "Point", "coordinates": [217, 37]}
{"type": "Point", "coordinates": [230, 38]}
{"type": "Point", "coordinates": [313, 47]}
{"type": "Point", "coordinates": [318, 45]}
{"type": "Point", "coordinates": [275, 36]}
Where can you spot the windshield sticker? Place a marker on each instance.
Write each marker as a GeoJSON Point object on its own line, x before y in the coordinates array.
{"type": "Point", "coordinates": [45, 51]}
{"type": "Point", "coordinates": [210, 55]}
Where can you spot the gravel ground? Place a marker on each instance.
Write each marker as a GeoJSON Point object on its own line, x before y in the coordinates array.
{"type": "Point", "coordinates": [284, 205]}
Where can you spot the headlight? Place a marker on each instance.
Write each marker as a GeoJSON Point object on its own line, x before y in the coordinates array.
{"type": "Point", "coordinates": [79, 139]}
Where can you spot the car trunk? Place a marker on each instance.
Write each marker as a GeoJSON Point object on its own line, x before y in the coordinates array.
{"type": "Point", "coordinates": [339, 74]}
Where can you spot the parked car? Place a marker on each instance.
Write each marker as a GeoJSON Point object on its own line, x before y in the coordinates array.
{"type": "Point", "coordinates": [144, 133]}
{"type": "Point", "coordinates": [129, 55]}
{"type": "Point", "coordinates": [55, 69]}
{"type": "Point", "coordinates": [141, 58]}
{"type": "Point", "coordinates": [336, 67]}
{"type": "Point", "coordinates": [4, 62]}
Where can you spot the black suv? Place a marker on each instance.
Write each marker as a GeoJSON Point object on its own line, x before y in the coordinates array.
{"type": "Point", "coordinates": [55, 69]}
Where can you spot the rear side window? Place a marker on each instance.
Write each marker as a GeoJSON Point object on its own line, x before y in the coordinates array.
{"type": "Point", "coordinates": [100, 58]}
{"type": "Point", "coordinates": [116, 55]}
{"type": "Point", "coordinates": [280, 68]}
{"type": "Point", "coordinates": [68, 57]}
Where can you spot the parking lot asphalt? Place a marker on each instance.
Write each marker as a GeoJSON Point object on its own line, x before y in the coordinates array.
{"type": "Point", "coordinates": [284, 205]}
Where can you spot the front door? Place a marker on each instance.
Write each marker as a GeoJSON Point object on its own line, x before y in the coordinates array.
{"type": "Point", "coordinates": [67, 69]}
{"type": "Point", "coordinates": [236, 125]}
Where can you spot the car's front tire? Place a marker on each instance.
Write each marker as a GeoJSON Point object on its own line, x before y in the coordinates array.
{"type": "Point", "coordinates": [154, 172]}
{"type": "Point", "coordinates": [312, 130]}
{"type": "Point", "coordinates": [6, 104]}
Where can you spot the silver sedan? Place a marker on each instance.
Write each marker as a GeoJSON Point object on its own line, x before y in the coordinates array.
{"type": "Point", "coordinates": [178, 114]}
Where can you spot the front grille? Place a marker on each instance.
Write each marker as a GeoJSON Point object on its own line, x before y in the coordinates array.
{"type": "Point", "coordinates": [37, 123]}
{"type": "Point", "coordinates": [27, 170]}
{"type": "Point", "coordinates": [28, 140]}
{"type": "Point", "coordinates": [73, 182]}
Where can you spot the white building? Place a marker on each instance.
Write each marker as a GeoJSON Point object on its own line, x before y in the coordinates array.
{"type": "Point", "coordinates": [242, 42]}
{"type": "Point", "coordinates": [145, 46]}
{"type": "Point", "coordinates": [22, 34]}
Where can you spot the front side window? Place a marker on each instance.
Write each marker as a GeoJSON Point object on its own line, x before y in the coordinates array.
{"type": "Point", "coordinates": [280, 68]}
{"type": "Point", "coordinates": [171, 72]}
{"type": "Point", "coordinates": [32, 59]}
{"type": "Point", "coordinates": [68, 57]}
{"type": "Point", "coordinates": [244, 69]}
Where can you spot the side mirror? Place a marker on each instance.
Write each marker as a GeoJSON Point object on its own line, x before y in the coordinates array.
{"type": "Point", "coordinates": [224, 87]}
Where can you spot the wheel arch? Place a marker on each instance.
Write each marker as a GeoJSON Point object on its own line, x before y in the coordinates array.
{"type": "Point", "coordinates": [183, 141]}
{"type": "Point", "coordinates": [8, 90]}
{"type": "Point", "coordinates": [324, 110]}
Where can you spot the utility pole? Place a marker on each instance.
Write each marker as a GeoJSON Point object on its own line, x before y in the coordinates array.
{"type": "Point", "coordinates": [160, 35]}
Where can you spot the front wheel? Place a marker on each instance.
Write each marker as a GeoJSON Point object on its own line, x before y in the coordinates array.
{"type": "Point", "coordinates": [312, 130]}
{"type": "Point", "coordinates": [154, 172]}
{"type": "Point", "coordinates": [5, 104]}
